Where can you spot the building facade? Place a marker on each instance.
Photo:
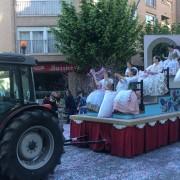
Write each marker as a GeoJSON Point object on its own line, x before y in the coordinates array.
{"type": "Point", "coordinates": [162, 10]}
{"type": "Point", "coordinates": [26, 28]}
{"type": "Point", "coordinates": [177, 11]}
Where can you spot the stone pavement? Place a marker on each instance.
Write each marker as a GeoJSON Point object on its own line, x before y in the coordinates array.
{"type": "Point", "coordinates": [84, 164]}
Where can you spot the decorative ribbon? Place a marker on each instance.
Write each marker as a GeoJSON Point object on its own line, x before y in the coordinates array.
{"type": "Point", "coordinates": [117, 126]}
{"type": "Point", "coordinates": [163, 121]}
{"type": "Point", "coordinates": [173, 119]}
{"type": "Point", "coordinates": [140, 126]}
{"type": "Point", "coordinates": [152, 123]}
{"type": "Point", "coordinates": [78, 121]}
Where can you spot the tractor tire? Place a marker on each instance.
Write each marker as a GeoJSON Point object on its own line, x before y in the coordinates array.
{"type": "Point", "coordinates": [31, 146]}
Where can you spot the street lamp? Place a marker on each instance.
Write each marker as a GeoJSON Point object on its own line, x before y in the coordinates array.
{"type": "Point", "coordinates": [23, 46]}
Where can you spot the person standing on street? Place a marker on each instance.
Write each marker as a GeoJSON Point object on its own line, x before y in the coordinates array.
{"type": "Point", "coordinates": [70, 105]}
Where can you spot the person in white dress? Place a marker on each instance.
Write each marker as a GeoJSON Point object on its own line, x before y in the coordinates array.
{"type": "Point", "coordinates": [154, 81]}
{"type": "Point", "coordinates": [129, 66]}
{"type": "Point", "coordinates": [126, 101]}
{"type": "Point", "coordinates": [95, 98]}
{"type": "Point", "coordinates": [124, 82]}
{"type": "Point", "coordinates": [171, 61]}
{"type": "Point", "coordinates": [156, 67]}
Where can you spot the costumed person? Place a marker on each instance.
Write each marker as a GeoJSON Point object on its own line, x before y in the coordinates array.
{"type": "Point", "coordinates": [106, 108]}
{"type": "Point", "coordinates": [154, 81]}
{"type": "Point", "coordinates": [156, 67]}
{"type": "Point", "coordinates": [124, 82]}
{"type": "Point", "coordinates": [128, 69]}
{"type": "Point", "coordinates": [171, 61]}
{"type": "Point", "coordinates": [126, 101]}
{"type": "Point", "coordinates": [70, 105]}
{"type": "Point", "coordinates": [95, 98]}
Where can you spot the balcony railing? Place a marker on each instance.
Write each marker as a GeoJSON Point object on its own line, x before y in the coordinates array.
{"type": "Point", "coordinates": [37, 46]}
{"type": "Point", "coordinates": [38, 8]}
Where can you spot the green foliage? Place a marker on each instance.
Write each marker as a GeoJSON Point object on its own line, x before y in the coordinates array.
{"type": "Point", "coordinates": [161, 50]}
{"type": "Point", "coordinates": [155, 29]}
{"type": "Point", "coordinates": [100, 34]}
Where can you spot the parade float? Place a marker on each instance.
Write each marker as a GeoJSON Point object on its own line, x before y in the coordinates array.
{"type": "Point", "coordinates": [127, 135]}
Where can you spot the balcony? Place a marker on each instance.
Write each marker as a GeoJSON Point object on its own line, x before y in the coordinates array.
{"type": "Point", "coordinates": [38, 8]}
{"type": "Point", "coordinates": [37, 47]}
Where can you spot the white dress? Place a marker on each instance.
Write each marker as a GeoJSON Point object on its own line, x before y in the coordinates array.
{"type": "Point", "coordinates": [172, 62]}
{"type": "Point", "coordinates": [155, 68]}
{"type": "Point", "coordinates": [95, 98]}
{"type": "Point", "coordinates": [124, 83]}
{"type": "Point", "coordinates": [173, 66]}
{"type": "Point", "coordinates": [128, 70]}
{"type": "Point", "coordinates": [154, 82]}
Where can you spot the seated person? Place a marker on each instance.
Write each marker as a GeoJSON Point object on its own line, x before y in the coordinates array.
{"type": "Point", "coordinates": [154, 81]}
{"type": "Point", "coordinates": [126, 101]}
{"type": "Point", "coordinates": [156, 67]}
{"type": "Point", "coordinates": [153, 69]}
{"type": "Point", "coordinates": [124, 82]}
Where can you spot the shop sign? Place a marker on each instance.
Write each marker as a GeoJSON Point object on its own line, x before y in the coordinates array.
{"type": "Point", "coordinates": [54, 68]}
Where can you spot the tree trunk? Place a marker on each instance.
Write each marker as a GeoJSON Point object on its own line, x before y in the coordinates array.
{"type": "Point", "coordinates": [78, 82]}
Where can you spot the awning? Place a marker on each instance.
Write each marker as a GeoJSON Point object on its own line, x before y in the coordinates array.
{"type": "Point", "coordinates": [63, 67]}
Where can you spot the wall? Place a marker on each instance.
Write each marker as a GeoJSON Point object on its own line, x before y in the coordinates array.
{"type": "Point", "coordinates": [178, 11]}
{"type": "Point", "coordinates": [150, 41]}
{"type": "Point", "coordinates": [7, 25]}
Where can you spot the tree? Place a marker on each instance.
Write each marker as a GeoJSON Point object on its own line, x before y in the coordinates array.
{"type": "Point", "coordinates": [100, 34]}
{"type": "Point", "coordinates": [155, 29]}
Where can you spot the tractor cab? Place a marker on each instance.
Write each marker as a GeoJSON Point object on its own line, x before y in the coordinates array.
{"type": "Point", "coordinates": [16, 81]}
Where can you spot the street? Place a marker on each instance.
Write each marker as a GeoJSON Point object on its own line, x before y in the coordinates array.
{"type": "Point", "coordinates": [84, 164]}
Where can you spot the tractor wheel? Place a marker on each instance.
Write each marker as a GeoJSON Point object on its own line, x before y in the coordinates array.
{"type": "Point", "coordinates": [31, 146]}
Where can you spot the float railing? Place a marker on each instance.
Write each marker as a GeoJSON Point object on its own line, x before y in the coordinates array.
{"type": "Point", "coordinates": [138, 86]}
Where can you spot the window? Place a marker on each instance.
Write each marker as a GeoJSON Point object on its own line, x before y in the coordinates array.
{"type": "Point", "coordinates": [51, 42]}
{"type": "Point", "coordinates": [38, 7]}
{"type": "Point", "coordinates": [151, 3]}
{"type": "Point", "coordinates": [11, 91]}
{"type": "Point", "coordinates": [150, 18]}
{"type": "Point", "coordinates": [39, 40]}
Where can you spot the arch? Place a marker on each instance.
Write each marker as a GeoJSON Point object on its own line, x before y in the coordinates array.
{"type": "Point", "coordinates": [150, 42]}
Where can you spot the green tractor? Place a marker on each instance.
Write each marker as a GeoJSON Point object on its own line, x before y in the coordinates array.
{"type": "Point", "coordinates": [31, 142]}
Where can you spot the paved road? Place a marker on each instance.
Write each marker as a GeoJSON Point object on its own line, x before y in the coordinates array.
{"type": "Point", "coordinates": [84, 164]}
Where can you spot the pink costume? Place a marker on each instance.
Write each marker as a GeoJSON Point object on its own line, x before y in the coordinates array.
{"type": "Point", "coordinates": [126, 101]}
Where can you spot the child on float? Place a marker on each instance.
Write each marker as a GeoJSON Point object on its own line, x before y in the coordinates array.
{"type": "Point", "coordinates": [124, 82]}
{"type": "Point", "coordinates": [95, 98]}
